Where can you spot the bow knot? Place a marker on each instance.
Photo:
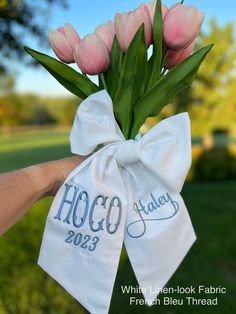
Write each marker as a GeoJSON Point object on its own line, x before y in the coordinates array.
{"type": "Point", "coordinates": [128, 152]}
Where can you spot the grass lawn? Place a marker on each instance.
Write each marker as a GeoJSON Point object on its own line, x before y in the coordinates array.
{"type": "Point", "coordinates": [25, 288]}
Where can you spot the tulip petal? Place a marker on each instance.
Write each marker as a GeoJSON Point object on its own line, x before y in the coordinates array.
{"type": "Point", "coordinates": [91, 55]}
{"type": "Point", "coordinates": [127, 25]}
{"type": "Point", "coordinates": [144, 17]}
{"type": "Point", "coordinates": [60, 45]}
{"type": "Point", "coordinates": [61, 30]}
{"type": "Point", "coordinates": [120, 25]}
{"type": "Point", "coordinates": [181, 26]}
{"type": "Point", "coordinates": [71, 35]}
{"type": "Point", "coordinates": [175, 57]}
{"type": "Point", "coordinates": [106, 32]}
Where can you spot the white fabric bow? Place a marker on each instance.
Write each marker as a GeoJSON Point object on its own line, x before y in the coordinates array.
{"type": "Point", "coordinates": [126, 191]}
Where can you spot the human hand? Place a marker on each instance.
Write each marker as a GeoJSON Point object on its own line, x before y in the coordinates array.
{"type": "Point", "coordinates": [20, 189]}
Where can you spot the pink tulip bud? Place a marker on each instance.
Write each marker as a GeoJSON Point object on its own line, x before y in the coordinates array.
{"type": "Point", "coordinates": [106, 32]}
{"type": "Point", "coordinates": [181, 26]}
{"type": "Point", "coordinates": [152, 7]}
{"type": "Point", "coordinates": [63, 41]}
{"type": "Point", "coordinates": [91, 55]}
{"type": "Point", "coordinates": [127, 24]}
{"type": "Point", "coordinates": [175, 57]}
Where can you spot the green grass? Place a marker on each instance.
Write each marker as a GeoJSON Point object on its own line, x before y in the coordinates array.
{"type": "Point", "coordinates": [27, 148]}
{"type": "Point", "coordinates": [25, 288]}
{"type": "Point", "coordinates": [33, 139]}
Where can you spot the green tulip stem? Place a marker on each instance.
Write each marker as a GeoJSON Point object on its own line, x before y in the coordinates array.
{"type": "Point", "coordinates": [164, 71]}
{"type": "Point", "coordinates": [164, 56]}
{"type": "Point", "coordinates": [103, 81]}
{"type": "Point", "coordinates": [121, 60]}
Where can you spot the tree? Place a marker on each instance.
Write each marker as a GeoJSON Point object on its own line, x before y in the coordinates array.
{"type": "Point", "coordinates": [7, 84]}
{"type": "Point", "coordinates": [18, 19]}
{"type": "Point", "coordinates": [211, 101]}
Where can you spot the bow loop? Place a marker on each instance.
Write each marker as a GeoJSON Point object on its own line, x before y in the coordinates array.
{"type": "Point", "coordinates": [167, 150]}
{"type": "Point", "coordinates": [94, 124]}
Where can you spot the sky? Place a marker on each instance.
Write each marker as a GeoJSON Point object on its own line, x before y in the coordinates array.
{"type": "Point", "coordinates": [85, 16]}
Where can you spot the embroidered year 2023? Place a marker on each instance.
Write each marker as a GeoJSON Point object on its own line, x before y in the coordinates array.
{"type": "Point", "coordinates": [77, 207]}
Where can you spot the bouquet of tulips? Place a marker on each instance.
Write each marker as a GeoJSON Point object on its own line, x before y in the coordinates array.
{"type": "Point", "coordinates": [129, 190]}
{"type": "Point", "coordinates": [139, 80]}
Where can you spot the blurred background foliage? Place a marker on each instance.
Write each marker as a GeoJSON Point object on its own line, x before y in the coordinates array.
{"type": "Point", "coordinates": [35, 128]}
{"type": "Point", "coordinates": [20, 19]}
{"type": "Point", "coordinates": [211, 100]}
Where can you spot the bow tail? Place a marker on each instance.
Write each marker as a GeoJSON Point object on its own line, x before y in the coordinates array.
{"type": "Point", "coordinates": [157, 245]}
{"type": "Point", "coordinates": [84, 233]}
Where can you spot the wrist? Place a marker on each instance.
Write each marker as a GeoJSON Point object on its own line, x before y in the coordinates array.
{"type": "Point", "coordinates": [42, 179]}
{"type": "Point", "coordinates": [47, 177]}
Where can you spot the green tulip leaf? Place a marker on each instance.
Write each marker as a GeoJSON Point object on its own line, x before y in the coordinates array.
{"type": "Point", "coordinates": [131, 82]}
{"type": "Point", "coordinates": [155, 61]}
{"type": "Point", "coordinates": [163, 92]}
{"type": "Point", "coordinates": [113, 72]}
{"type": "Point", "coordinates": [76, 83]}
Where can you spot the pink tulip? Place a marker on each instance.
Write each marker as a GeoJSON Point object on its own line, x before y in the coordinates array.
{"type": "Point", "coordinates": [127, 24]}
{"type": "Point", "coordinates": [175, 57]}
{"type": "Point", "coordinates": [91, 55]}
{"type": "Point", "coordinates": [63, 41]}
{"type": "Point", "coordinates": [106, 32]}
{"type": "Point", "coordinates": [152, 7]}
{"type": "Point", "coordinates": [181, 26]}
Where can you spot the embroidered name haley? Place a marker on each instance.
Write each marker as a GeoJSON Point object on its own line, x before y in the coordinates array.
{"type": "Point", "coordinates": [137, 228]}
{"type": "Point", "coordinates": [76, 207]}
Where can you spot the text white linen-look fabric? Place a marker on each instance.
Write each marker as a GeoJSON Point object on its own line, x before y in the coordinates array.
{"type": "Point", "coordinates": [126, 191]}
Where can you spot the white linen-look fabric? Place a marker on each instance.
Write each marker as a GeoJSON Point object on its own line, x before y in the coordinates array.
{"type": "Point", "coordinates": [126, 191]}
